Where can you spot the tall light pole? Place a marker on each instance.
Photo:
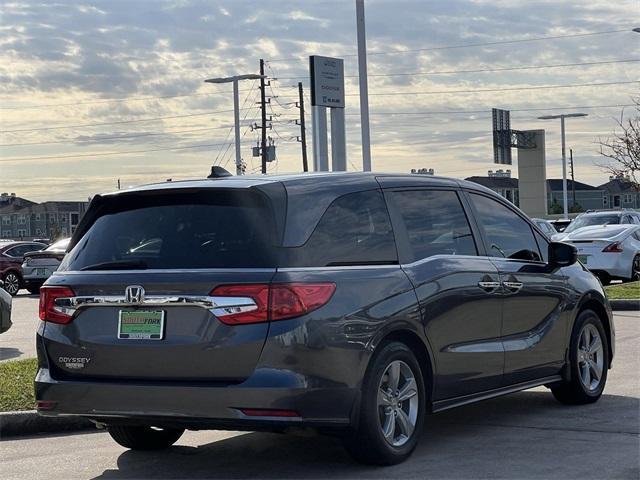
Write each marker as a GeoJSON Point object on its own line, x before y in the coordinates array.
{"type": "Point", "coordinates": [562, 116]}
{"type": "Point", "coordinates": [364, 86]}
{"type": "Point", "coordinates": [236, 108]}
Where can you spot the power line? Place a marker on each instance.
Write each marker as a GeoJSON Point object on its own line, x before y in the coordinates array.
{"type": "Point", "coordinates": [110, 100]}
{"type": "Point", "coordinates": [487, 110]}
{"type": "Point", "coordinates": [481, 70]}
{"type": "Point", "coordinates": [151, 119]}
{"type": "Point", "coordinates": [104, 154]}
{"type": "Point", "coordinates": [115, 137]}
{"type": "Point", "coordinates": [468, 45]}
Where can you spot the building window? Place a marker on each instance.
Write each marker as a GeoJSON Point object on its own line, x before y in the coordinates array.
{"type": "Point", "coordinates": [6, 234]}
{"type": "Point", "coordinates": [38, 231]}
{"type": "Point", "coordinates": [37, 217]}
{"type": "Point", "coordinates": [75, 218]}
{"type": "Point", "coordinates": [52, 217]}
{"type": "Point", "coordinates": [605, 200]}
{"type": "Point", "coordinates": [627, 198]}
{"type": "Point", "coordinates": [22, 233]}
{"type": "Point", "coordinates": [63, 218]}
{"type": "Point", "coordinates": [22, 219]}
{"type": "Point", "coordinates": [6, 220]}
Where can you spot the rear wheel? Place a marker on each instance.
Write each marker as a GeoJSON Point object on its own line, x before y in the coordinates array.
{"type": "Point", "coordinates": [392, 408]}
{"type": "Point", "coordinates": [11, 283]}
{"type": "Point", "coordinates": [589, 354]}
{"type": "Point", "coordinates": [635, 269]}
{"type": "Point", "coordinates": [144, 438]}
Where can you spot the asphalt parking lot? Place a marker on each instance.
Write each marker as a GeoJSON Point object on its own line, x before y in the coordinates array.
{"type": "Point", "coordinates": [525, 435]}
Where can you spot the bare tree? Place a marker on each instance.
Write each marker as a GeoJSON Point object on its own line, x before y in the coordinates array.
{"type": "Point", "coordinates": [623, 146]}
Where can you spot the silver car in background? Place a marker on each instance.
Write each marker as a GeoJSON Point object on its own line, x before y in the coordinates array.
{"type": "Point", "coordinates": [38, 266]}
{"type": "Point", "coordinates": [609, 251]}
{"type": "Point", "coordinates": [590, 219]}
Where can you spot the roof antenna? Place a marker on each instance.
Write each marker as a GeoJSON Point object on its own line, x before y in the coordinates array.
{"type": "Point", "coordinates": [218, 172]}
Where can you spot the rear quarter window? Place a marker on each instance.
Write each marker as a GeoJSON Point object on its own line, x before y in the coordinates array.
{"type": "Point", "coordinates": [354, 230]}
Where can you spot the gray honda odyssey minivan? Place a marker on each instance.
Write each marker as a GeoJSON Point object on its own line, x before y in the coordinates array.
{"type": "Point", "coordinates": [351, 303]}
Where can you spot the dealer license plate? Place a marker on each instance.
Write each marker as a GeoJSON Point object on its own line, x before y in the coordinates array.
{"type": "Point", "coordinates": [42, 272]}
{"type": "Point", "coordinates": [141, 324]}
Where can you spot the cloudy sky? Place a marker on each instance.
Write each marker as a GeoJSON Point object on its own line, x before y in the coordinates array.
{"type": "Point", "coordinates": [92, 92]}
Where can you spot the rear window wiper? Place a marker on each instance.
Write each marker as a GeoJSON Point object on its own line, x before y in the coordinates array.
{"type": "Point", "coordinates": [117, 265]}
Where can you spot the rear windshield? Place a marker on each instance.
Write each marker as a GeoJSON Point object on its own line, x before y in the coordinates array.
{"type": "Point", "coordinates": [217, 229]}
{"type": "Point", "coordinates": [589, 220]}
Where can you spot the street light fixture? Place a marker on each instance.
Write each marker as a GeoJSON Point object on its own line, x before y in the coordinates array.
{"type": "Point", "coordinates": [236, 108]}
{"type": "Point", "coordinates": [562, 116]}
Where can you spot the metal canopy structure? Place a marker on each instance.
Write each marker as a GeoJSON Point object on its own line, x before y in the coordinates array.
{"type": "Point", "coordinates": [504, 138]}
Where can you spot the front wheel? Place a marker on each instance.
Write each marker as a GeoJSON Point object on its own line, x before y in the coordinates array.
{"type": "Point", "coordinates": [589, 357]}
{"type": "Point", "coordinates": [144, 438]}
{"type": "Point", "coordinates": [392, 408]}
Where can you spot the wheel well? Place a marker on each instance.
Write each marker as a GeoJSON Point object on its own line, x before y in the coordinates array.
{"type": "Point", "coordinates": [12, 270]}
{"type": "Point", "coordinates": [419, 349]}
{"type": "Point", "coordinates": [599, 309]}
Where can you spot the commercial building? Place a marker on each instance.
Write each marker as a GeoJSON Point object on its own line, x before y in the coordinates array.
{"type": "Point", "coordinates": [22, 219]}
{"type": "Point", "coordinates": [617, 193]}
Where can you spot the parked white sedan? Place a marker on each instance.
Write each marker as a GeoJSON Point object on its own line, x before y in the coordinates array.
{"type": "Point", "coordinates": [609, 251]}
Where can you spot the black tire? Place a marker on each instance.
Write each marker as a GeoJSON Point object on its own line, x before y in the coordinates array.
{"type": "Point", "coordinates": [144, 438]}
{"type": "Point", "coordinates": [574, 391]}
{"type": "Point", "coordinates": [635, 269]}
{"type": "Point", "coordinates": [12, 283]}
{"type": "Point", "coordinates": [367, 443]}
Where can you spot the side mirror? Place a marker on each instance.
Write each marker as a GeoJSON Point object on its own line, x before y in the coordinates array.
{"type": "Point", "coordinates": [562, 254]}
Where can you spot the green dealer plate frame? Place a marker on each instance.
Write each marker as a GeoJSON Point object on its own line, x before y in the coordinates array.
{"type": "Point", "coordinates": [141, 324]}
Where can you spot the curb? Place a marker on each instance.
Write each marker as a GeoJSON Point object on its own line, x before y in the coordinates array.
{"type": "Point", "coordinates": [29, 422]}
{"type": "Point", "coordinates": [633, 304]}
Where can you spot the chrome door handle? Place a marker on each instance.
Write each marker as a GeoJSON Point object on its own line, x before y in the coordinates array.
{"type": "Point", "coordinates": [513, 286]}
{"type": "Point", "coordinates": [489, 286]}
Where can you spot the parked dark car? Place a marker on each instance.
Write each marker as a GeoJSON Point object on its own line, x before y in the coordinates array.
{"type": "Point", "coordinates": [38, 266]}
{"type": "Point", "coordinates": [351, 303]}
{"type": "Point", "coordinates": [11, 257]}
{"type": "Point", "coordinates": [5, 309]}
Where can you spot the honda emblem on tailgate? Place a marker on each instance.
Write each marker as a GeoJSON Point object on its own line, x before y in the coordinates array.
{"type": "Point", "coordinates": [134, 294]}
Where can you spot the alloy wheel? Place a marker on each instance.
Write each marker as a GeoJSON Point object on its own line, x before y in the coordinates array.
{"type": "Point", "coordinates": [635, 273]}
{"type": "Point", "coordinates": [590, 357]}
{"type": "Point", "coordinates": [398, 403]}
{"type": "Point", "coordinates": [11, 283]}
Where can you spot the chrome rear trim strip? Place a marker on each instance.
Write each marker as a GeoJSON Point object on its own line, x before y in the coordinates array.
{"type": "Point", "coordinates": [219, 306]}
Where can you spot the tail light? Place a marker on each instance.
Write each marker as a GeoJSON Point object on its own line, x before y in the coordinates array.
{"type": "Point", "coordinates": [278, 301]}
{"type": "Point", "coordinates": [614, 247]}
{"type": "Point", "coordinates": [49, 310]}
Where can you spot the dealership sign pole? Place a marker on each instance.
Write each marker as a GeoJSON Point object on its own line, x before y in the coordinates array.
{"type": "Point", "coordinates": [327, 91]}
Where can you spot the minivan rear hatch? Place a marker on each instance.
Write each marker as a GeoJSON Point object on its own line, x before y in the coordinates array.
{"type": "Point", "coordinates": [140, 286]}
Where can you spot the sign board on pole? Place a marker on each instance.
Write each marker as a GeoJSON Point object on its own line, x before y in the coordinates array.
{"type": "Point", "coordinates": [327, 81]}
{"type": "Point", "coordinates": [501, 136]}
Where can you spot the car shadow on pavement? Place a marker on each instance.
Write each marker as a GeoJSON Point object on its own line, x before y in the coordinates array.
{"type": "Point", "coordinates": [527, 434]}
{"type": "Point", "coordinates": [7, 353]}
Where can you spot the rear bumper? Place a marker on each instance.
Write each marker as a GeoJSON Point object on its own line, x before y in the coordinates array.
{"type": "Point", "coordinates": [617, 266]}
{"type": "Point", "coordinates": [197, 406]}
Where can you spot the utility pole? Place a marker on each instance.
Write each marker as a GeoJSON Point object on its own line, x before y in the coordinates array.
{"type": "Point", "coordinates": [303, 133]}
{"type": "Point", "coordinates": [573, 181]}
{"type": "Point", "coordinates": [364, 86]}
{"type": "Point", "coordinates": [263, 107]}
